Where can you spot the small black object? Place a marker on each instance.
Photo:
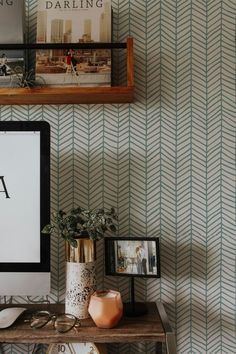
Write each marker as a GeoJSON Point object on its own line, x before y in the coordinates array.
{"type": "Point", "coordinates": [132, 308]}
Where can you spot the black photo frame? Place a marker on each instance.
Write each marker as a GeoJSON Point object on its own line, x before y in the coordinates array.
{"type": "Point", "coordinates": [132, 256]}
{"type": "Point", "coordinates": [122, 259]}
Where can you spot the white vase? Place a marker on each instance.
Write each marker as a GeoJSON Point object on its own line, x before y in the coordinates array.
{"type": "Point", "coordinates": [80, 285]}
{"type": "Point", "coordinates": [80, 276]}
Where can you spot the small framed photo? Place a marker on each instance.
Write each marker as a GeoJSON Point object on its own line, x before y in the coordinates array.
{"type": "Point", "coordinates": [132, 256]}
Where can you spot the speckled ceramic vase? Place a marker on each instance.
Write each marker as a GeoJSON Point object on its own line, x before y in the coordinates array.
{"type": "Point", "coordinates": [80, 277]}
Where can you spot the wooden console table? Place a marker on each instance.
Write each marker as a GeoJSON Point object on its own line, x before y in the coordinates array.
{"type": "Point", "coordinates": [152, 327]}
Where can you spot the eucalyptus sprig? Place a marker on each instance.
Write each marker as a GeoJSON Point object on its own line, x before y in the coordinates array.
{"type": "Point", "coordinates": [80, 221]}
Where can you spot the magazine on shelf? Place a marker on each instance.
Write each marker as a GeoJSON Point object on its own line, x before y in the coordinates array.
{"type": "Point", "coordinates": [77, 21]}
{"type": "Point", "coordinates": [12, 62]}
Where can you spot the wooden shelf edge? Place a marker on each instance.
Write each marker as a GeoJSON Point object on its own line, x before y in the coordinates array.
{"type": "Point", "coordinates": [69, 95]}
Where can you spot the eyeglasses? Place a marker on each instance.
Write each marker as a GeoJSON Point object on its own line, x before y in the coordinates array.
{"type": "Point", "coordinates": [62, 323]}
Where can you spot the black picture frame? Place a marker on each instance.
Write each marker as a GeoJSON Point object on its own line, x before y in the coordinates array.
{"type": "Point", "coordinates": [122, 259]}
{"type": "Point", "coordinates": [43, 128]}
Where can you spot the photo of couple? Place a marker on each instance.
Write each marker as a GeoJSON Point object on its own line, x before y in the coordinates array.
{"type": "Point", "coordinates": [136, 257]}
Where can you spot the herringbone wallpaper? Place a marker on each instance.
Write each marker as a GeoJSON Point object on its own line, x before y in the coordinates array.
{"type": "Point", "coordinates": [166, 162]}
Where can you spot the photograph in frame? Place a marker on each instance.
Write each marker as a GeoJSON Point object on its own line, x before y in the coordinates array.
{"type": "Point", "coordinates": [132, 256]}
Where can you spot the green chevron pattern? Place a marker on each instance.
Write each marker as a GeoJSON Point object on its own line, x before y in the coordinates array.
{"type": "Point", "coordinates": [167, 163]}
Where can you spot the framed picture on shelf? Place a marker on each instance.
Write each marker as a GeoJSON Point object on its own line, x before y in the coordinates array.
{"type": "Point", "coordinates": [132, 256]}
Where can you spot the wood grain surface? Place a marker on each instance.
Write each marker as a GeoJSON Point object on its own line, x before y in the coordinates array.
{"type": "Point", "coordinates": [137, 329]}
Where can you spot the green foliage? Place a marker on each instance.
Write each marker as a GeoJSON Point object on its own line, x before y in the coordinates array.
{"type": "Point", "coordinates": [80, 221]}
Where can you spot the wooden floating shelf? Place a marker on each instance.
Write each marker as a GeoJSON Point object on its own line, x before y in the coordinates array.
{"type": "Point", "coordinates": [74, 95]}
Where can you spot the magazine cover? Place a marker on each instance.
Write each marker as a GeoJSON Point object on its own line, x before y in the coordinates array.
{"type": "Point", "coordinates": [11, 31]}
{"type": "Point", "coordinates": [77, 21]}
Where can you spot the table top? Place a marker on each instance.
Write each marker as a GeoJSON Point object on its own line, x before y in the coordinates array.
{"type": "Point", "coordinates": [152, 327]}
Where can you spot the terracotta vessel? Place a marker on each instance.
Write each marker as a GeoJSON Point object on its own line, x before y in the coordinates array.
{"type": "Point", "coordinates": [106, 308]}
